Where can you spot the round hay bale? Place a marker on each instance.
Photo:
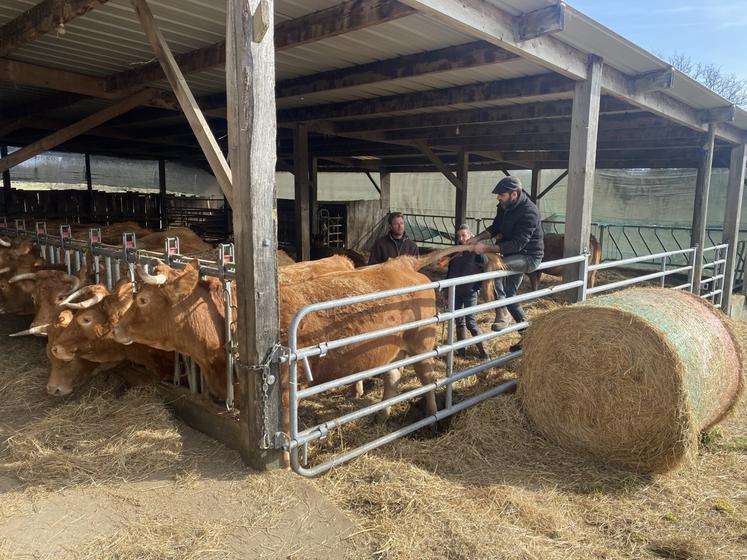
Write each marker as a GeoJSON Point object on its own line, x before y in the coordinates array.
{"type": "Point", "coordinates": [631, 378]}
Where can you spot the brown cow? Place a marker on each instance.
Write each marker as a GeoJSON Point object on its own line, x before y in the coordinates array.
{"type": "Point", "coordinates": [89, 336]}
{"type": "Point", "coordinates": [554, 243]}
{"type": "Point", "coordinates": [175, 310]}
{"type": "Point", "coordinates": [189, 242]}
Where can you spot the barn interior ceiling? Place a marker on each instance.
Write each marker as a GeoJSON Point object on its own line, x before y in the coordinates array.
{"type": "Point", "coordinates": [382, 86]}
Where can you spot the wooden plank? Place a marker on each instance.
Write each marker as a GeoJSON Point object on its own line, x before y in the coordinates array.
{"type": "Point", "coordinates": [385, 179]}
{"type": "Point", "coordinates": [250, 88]}
{"type": "Point", "coordinates": [469, 55]}
{"type": "Point", "coordinates": [352, 163]}
{"type": "Point", "coordinates": [187, 102]}
{"type": "Point", "coordinates": [6, 174]}
{"type": "Point", "coordinates": [581, 165]}
{"type": "Point", "coordinates": [40, 19]}
{"type": "Point", "coordinates": [439, 164]}
{"type": "Point", "coordinates": [473, 93]}
{"type": "Point", "coordinates": [301, 182]}
{"type": "Point", "coordinates": [551, 185]}
{"type": "Point", "coordinates": [76, 129]}
{"type": "Point", "coordinates": [484, 20]}
{"type": "Point", "coordinates": [336, 20]}
{"type": "Point", "coordinates": [460, 207]}
{"type": "Point", "coordinates": [733, 218]}
{"type": "Point", "coordinates": [653, 81]}
{"type": "Point", "coordinates": [550, 19]}
{"type": "Point", "coordinates": [719, 114]}
{"type": "Point", "coordinates": [700, 205]}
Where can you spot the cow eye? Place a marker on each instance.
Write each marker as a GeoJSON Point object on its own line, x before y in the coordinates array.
{"type": "Point", "coordinates": [84, 320]}
{"type": "Point", "coordinates": [142, 301]}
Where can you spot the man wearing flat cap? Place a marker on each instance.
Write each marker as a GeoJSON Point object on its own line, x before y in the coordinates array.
{"type": "Point", "coordinates": [519, 241]}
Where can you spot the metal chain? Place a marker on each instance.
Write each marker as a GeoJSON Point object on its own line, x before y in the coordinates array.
{"type": "Point", "coordinates": [268, 379]}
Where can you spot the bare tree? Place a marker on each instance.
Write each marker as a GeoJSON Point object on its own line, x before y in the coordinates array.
{"type": "Point", "coordinates": [730, 86]}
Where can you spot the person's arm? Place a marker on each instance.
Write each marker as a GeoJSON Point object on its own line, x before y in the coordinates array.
{"type": "Point", "coordinates": [486, 234]}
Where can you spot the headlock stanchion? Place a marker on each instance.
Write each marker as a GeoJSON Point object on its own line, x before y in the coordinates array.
{"type": "Point", "coordinates": [298, 440]}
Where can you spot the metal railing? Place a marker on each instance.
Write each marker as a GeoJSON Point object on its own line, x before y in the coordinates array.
{"type": "Point", "coordinates": [298, 440]}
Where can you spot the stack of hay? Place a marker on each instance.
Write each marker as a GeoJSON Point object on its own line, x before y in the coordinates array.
{"type": "Point", "coordinates": [631, 378]}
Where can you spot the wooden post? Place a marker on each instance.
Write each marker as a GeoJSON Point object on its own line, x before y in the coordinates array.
{"type": "Point", "coordinates": [301, 180]}
{"type": "Point", "coordinates": [536, 183]}
{"type": "Point", "coordinates": [581, 164]}
{"type": "Point", "coordinates": [460, 211]}
{"type": "Point", "coordinates": [6, 181]}
{"type": "Point", "coordinates": [162, 217]}
{"type": "Point", "coordinates": [700, 207]}
{"type": "Point", "coordinates": [250, 91]}
{"type": "Point", "coordinates": [314, 193]}
{"type": "Point", "coordinates": [733, 218]}
{"type": "Point", "coordinates": [385, 180]}
{"type": "Point", "coordinates": [89, 187]}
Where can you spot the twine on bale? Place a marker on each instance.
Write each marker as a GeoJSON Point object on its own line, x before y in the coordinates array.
{"type": "Point", "coordinates": [631, 378]}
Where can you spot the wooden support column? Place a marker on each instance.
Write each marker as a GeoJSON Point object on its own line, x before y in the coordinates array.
{"type": "Point", "coordinates": [536, 184]}
{"type": "Point", "coordinates": [302, 188]}
{"type": "Point", "coordinates": [733, 218]}
{"type": "Point", "coordinates": [385, 180]}
{"type": "Point", "coordinates": [700, 206]}
{"type": "Point", "coordinates": [250, 90]}
{"type": "Point", "coordinates": [89, 185]}
{"type": "Point", "coordinates": [187, 102]}
{"type": "Point", "coordinates": [460, 212]}
{"type": "Point", "coordinates": [162, 217]}
{"type": "Point", "coordinates": [581, 164]}
{"type": "Point", "coordinates": [314, 195]}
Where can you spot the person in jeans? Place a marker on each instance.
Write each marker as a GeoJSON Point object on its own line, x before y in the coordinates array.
{"type": "Point", "coordinates": [395, 243]}
{"type": "Point", "coordinates": [518, 232]}
{"type": "Point", "coordinates": [466, 264]}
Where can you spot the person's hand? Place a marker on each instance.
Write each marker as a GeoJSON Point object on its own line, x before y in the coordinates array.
{"type": "Point", "coordinates": [480, 248]}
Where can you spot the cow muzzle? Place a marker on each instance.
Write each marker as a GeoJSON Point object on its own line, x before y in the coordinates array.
{"type": "Point", "coordinates": [58, 390]}
{"type": "Point", "coordinates": [121, 337]}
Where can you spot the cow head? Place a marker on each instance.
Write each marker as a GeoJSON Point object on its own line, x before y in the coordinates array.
{"type": "Point", "coordinates": [48, 290]}
{"type": "Point", "coordinates": [89, 334]}
{"type": "Point", "coordinates": [160, 300]}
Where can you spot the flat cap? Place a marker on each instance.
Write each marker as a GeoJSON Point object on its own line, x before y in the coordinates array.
{"type": "Point", "coordinates": [507, 185]}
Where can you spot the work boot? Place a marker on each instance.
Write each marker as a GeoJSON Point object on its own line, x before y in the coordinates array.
{"type": "Point", "coordinates": [518, 346]}
{"type": "Point", "coordinates": [461, 335]}
{"type": "Point", "coordinates": [502, 318]}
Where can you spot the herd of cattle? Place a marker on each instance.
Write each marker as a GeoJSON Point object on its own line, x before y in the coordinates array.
{"type": "Point", "coordinates": [90, 329]}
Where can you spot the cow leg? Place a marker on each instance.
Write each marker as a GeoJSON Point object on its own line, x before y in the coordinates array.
{"type": "Point", "coordinates": [391, 389]}
{"type": "Point", "coordinates": [425, 373]}
{"type": "Point", "coordinates": [356, 390]}
{"type": "Point", "coordinates": [534, 279]}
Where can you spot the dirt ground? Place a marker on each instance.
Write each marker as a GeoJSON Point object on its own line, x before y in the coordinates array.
{"type": "Point", "coordinates": [110, 474]}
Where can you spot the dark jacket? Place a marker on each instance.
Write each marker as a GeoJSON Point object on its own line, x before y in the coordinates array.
{"type": "Point", "coordinates": [520, 228]}
{"type": "Point", "coordinates": [466, 264]}
{"type": "Point", "coordinates": [388, 247]}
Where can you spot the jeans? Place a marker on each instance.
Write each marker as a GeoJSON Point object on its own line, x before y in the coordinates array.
{"type": "Point", "coordinates": [508, 286]}
{"type": "Point", "coordinates": [467, 299]}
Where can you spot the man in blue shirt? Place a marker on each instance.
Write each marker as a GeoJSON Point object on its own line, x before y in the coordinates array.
{"type": "Point", "coordinates": [518, 231]}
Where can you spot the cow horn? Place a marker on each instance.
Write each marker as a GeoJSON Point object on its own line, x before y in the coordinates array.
{"type": "Point", "coordinates": [85, 304]}
{"type": "Point", "coordinates": [4, 243]}
{"type": "Point", "coordinates": [74, 294]}
{"type": "Point", "coordinates": [154, 280]}
{"type": "Point", "coordinates": [39, 329]}
{"type": "Point", "coordinates": [24, 276]}
{"type": "Point", "coordinates": [4, 270]}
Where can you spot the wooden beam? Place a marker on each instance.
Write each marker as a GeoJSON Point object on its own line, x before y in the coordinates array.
{"type": "Point", "coordinates": [653, 81]}
{"type": "Point", "coordinates": [14, 116]}
{"type": "Point", "coordinates": [539, 22]}
{"type": "Point", "coordinates": [314, 195]}
{"type": "Point", "coordinates": [76, 129]}
{"type": "Point", "coordinates": [89, 183]}
{"type": "Point", "coordinates": [440, 165]}
{"type": "Point", "coordinates": [581, 165]}
{"type": "Point", "coordinates": [552, 185]}
{"type": "Point", "coordinates": [187, 102]}
{"type": "Point", "coordinates": [700, 205]}
{"type": "Point", "coordinates": [547, 110]}
{"type": "Point", "coordinates": [162, 214]}
{"type": "Point", "coordinates": [720, 114]}
{"type": "Point", "coordinates": [386, 191]}
{"type": "Point", "coordinates": [546, 84]}
{"type": "Point", "coordinates": [484, 20]}
{"type": "Point", "coordinates": [6, 174]}
{"type": "Point", "coordinates": [536, 183]}
{"type": "Point", "coordinates": [733, 218]}
{"type": "Point", "coordinates": [469, 55]}
{"type": "Point", "coordinates": [353, 163]}
{"type": "Point", "coordinates": [250, 77]}
{"type": "Point", "coordinates": [460, 207]}
{"type": "Point", "coordinates": [301, 182]}
{"type": "Point", "coordinates": [40, 19]}
{"type": "Point", "coordinates": [336, 20]}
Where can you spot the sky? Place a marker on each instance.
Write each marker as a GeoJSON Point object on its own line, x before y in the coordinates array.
{"type": "Point", "coordinates": [710, 31]}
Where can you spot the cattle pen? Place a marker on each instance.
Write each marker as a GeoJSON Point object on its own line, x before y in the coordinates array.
{"type": "Point", "coordinates": [248, 88]}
